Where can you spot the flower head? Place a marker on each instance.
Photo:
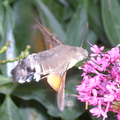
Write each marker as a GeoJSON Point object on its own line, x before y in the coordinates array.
{"type": "Point", "coordinates": [101, 81]}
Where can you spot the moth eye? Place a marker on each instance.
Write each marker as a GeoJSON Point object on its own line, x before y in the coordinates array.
{"type": "Point", "coordinates": [28, 69]}
{"type": "Point", "coordinates": [29, 78]}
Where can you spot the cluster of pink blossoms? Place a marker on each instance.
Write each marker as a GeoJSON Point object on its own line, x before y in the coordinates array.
{"type": "Point", "coordinates": [101, 82]}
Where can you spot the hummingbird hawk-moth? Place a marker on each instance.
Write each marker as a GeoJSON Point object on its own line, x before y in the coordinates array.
{"type": "Point", "coordinates": [52, 64]}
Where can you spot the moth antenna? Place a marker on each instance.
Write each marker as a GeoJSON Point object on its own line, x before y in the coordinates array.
{"type": "Point", "coordinates": [86, 27]}
{"type": "Point", "coordinates": [44, 77]}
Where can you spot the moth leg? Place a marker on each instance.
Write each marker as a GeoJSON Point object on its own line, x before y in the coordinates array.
{"type": "Point", "coordinates": [29, 78]}
{"type": "Point", "coordinates": [21, 81]}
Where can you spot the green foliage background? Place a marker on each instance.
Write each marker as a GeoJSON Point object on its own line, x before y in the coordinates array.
{"type": "Point", "coordinates": [67, 20]}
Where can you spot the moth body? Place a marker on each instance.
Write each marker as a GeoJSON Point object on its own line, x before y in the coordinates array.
{"type": "Point", "coordinates": [54, 60]}
{"type": "Point", "coordinates": [52, 64]}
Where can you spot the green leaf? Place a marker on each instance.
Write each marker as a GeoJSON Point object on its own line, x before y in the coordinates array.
{"type": "Point", "coordinates": [48, 18]}
{"type": "Point", "coordinates": [2, 15]}
{"type": "Point", "coordinates": [68, 12]}
{"type": "Point", "coordinates": [8, 88]}
{"type": "Point", "coordinates": [10, 53]}
{"type": "Point", "coordinates": [61, 10]}
{"type": "Point", "coordinates": [32, 110]}
{"type": "Point", "coordinates": [57, 10]}
{"type": "Point", "coordinates": [64, 2]}
{"type": "Point", "coordinates": [24, 24]}
{"type": "Point", "coordinates": [75, 3]}
{"type": "Point", "coordinates": [76, 27]}
{"type": "Point", "coordinates": [111, 20]}
{"type": "Point", "coordinates": [95, 21]}
{"type": "Point", "coordinates": [9, 111]}
{"type": "Point", "coordinates": [92, 37]}
{"type": "Point", "coordinates": [4, 80]}
{"type": "Point", "coordinates": [39, 92]}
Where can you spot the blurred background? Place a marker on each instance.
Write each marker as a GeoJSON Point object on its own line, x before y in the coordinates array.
{"type": "Point", "coordinates": [66, 19]}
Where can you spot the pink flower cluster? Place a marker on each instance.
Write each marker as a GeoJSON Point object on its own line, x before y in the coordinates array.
{"type": "Point", "coordinates": [100, 86]}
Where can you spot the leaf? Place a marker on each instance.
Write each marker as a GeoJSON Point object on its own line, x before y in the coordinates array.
{"type": "Point", "coordinates": [8, 88]}
{"type": "Point", "coordinates": [9, 111]}
{"type": "Point", "coordinates": [64, 2]}
{"type": "Point", "coordinates": [4, 80]}
{"type": "Point", "coordinates": [74, 3]}
{"type": "Point", "coordinates": [32, 110]}
{"type": "Point", "coordinates": [48, 18]}
{"type": "Point", "coordinates": [61, 10]}
{"type": "Point", "coordinates": [2, 15]}
{"type": "Point", "coordinates": [92, 37]}
{"type": "Point", "coordinates": [95, 21]}
{"type": "Point", "coordinates": [38, 91]}
{"type": "Point", "coordinates": [10, 53]}
{"type": "Point", "coordinates": [111, 20]}
{"type": "Point", "coordinates": [68, 12]}
{"type": "Point", "coordinates": [24, 24]}
{"type": "Point", "coordinates": [57, 10]}
{"type": "Point", "coordinates": [76, 27]}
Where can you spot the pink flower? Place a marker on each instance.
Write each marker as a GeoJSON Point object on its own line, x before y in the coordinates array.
{"type": "Point", "coordinates": [101, 81]}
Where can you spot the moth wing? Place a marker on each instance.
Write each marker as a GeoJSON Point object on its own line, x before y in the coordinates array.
{"type": "Point", "coordinates": [61, 94]}
{"type": "Point", "coordinates": [57, 82]}
{"type": "Point", "coordinates": [54, 80]}
{"type": "Point", "coordinates": [52, 40]}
